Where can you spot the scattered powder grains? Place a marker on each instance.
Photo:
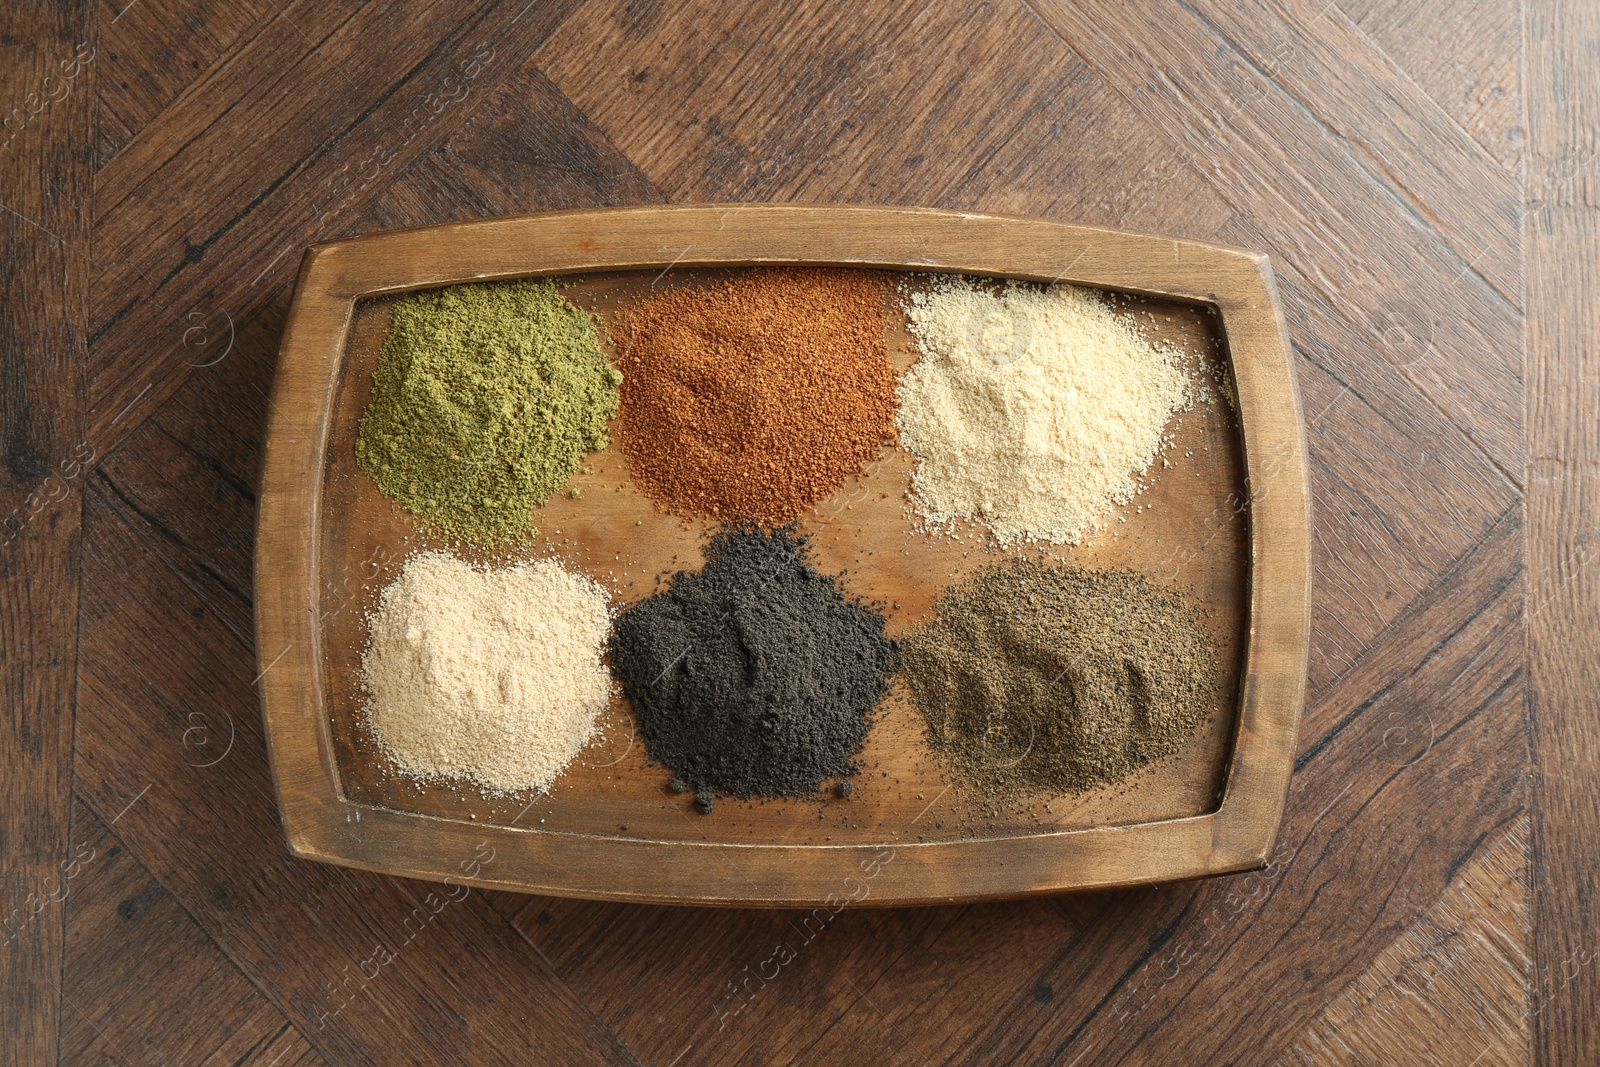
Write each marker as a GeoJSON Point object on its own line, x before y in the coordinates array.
{"type": "Point", "coordinates": [1032, 409]}
{"type": "Point", "coordinates": [754, 399]}
{"type": "Point", "coordinates": [1060, 679]}
{"type": "Point", "coordinates": [488, 675]}
{"type": "Point", "coordinates": [485, 399]}
{"type": "Point", "coordinates": [754, 676]}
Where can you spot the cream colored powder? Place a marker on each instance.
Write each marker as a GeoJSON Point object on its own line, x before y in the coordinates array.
{"type": "Point", "coordinates": [1034, 409]}
{"type": "Point", "coordinates": [483, 674]}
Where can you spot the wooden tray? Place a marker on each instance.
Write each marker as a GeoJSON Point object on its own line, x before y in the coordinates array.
{"type": "Point", "coordinates": [1227, 523]}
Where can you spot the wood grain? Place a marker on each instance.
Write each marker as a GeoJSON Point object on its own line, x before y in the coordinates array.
{"type": "Point", "coordinates": [150, 53]}
{"type": "Point", "coordinates": [47, 69]}
{"type": "Point", "coordinates": [1466, 56]}
{"type": "Point", "coordinates": [1562, 234]}
{"type": "Point", "coordinates": [1226, 106]}
{"type": "Point", "coordinates": [912, 110]}
{"type": "Point", "coordinates": [615, 533]}
{"type": "Point", "coordinates": [1456, 978]}
{"type": "Point", "coordinates": [323, 532]}
{"type": "Point", "coordinates": [1220, 944]}
{"type": "Point", "coordinates": [527, 147]}
{"type": "Point", "coordinates": [1343, 158]}
{"type": "Point", "coordinates": [862, 126]}
{"type": "Point", "coordinates": [126, 937]}
{"type": "Point", "coordinates": [199, 747]}
{"type": "Point", "coordinates": [1113, 977]}
{"type": "Point", "coordinates": [1372, 110]}
{"type": "Point", "coordinates": [327, 154]}
{"type": "Point", "coordinates": [1400, 508]}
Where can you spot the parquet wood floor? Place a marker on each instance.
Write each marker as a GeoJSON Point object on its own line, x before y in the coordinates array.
{"type": "Point", "coordinates": [1423, 174]}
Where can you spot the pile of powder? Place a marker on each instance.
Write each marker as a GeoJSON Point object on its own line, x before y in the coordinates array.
{"type": "Point", "coordinates": [754, 399]}
{"type": "Point", "coordinates": [1032, 409]}
{"type": "Point", "coordinates": [1051, 678]}
{"type": "Point", "coordinates": [756, 675]}
{"type": "Point", "coordinates": [485, 399]}
{"type": "Point", "coordinates": [489, 675]}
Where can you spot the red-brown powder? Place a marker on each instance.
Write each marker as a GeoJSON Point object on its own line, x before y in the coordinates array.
{"type": "Point", "coordinates": [754, 399]}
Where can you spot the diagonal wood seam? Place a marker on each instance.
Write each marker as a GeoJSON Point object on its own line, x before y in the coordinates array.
{"type": "Point", "coordinates": [1443, 114]}
{"type": "Point", "coordinates": [1463, 858]}
{"type": "Point", "coordinates": [120, 503]}
{"type": "Point", "coordinates": [241, 41]}
{"type": "Point", "coordinates": [1348, 134]}
{"type": "Point", "coordinates": [1364, 144]}
{"type": "Point", "coordinates": [1161, 937]}
{"type": "Point", "coordinates": [972, 170]}
{"type": "Point", "coordinates": [109, 831]}
{"type": "Point", "coordinates": [272, 1039]}
{"type": "Point", "coordinates": [1417, 605]}
{"type": "Point", "coordinates": [603, 1030]}
{"type": "Point", "coordinates": [865, 995]}
{"type": "Point", "coordinates": [1332, 335]}
{"type": "Point", "coordinates": [1330, 125]}
{"type": "Point", "coordinates": [439, 130]}
{"type": "Point", "coordinates": [1516, 824]}
{"type": "Point", "coordinates": [1515, 676]}
{"type": "Point", "coordinates": [421, 161]}
{"type": "Point", "coordinates": [1151, 947]}
{"type": "Point", "coordinates": [1162, 129]}
{"type": "Point", "coordinates": [1472, 849]}
{"type": "Point", "coordinates": [525, 939]}
{"type": "Point", "coordinates": [1379, 643]}
{"type": "Point", "coordinates": [436, 168]}
{"type": "Point", "coordinates": [1174, 928]}
{"type": "Point", "coordinates": [107, 828]}
{"type": "Point", "coordinates": [1515, 479]}
{"type": "Point", "coordinates": [196, 88]}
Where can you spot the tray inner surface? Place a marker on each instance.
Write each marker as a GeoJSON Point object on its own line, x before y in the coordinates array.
{"type": "Point", "coordinates": [1190, 534]}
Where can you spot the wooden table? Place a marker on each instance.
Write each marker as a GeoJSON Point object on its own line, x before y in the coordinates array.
{"type": "Point", "coordinates": [1423, 175]}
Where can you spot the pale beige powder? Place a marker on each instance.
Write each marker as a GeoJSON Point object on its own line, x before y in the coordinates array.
{"type": "Point", "coordinates": [492, 675]}
{"type": "Point", "coordinates": [1033, 409]}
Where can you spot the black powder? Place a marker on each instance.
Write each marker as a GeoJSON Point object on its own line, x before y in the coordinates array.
{"type": "Point", "coordinates": [754, 677]}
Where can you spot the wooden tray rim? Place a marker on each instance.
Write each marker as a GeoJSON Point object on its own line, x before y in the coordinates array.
{"type": "Point", "coordinates": [322, 824]}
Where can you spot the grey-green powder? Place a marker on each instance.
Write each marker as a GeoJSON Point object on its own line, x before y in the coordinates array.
{"type": "Point", "coordinates": [1059, 679]}
{"type": "Point", "coordinates": [486, 398]}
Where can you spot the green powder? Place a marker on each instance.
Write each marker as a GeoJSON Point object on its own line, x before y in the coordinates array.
{"type": "Point", "coordinates": [486, 398]}
{"type": "Point", "coordinates": [1059, 679]}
